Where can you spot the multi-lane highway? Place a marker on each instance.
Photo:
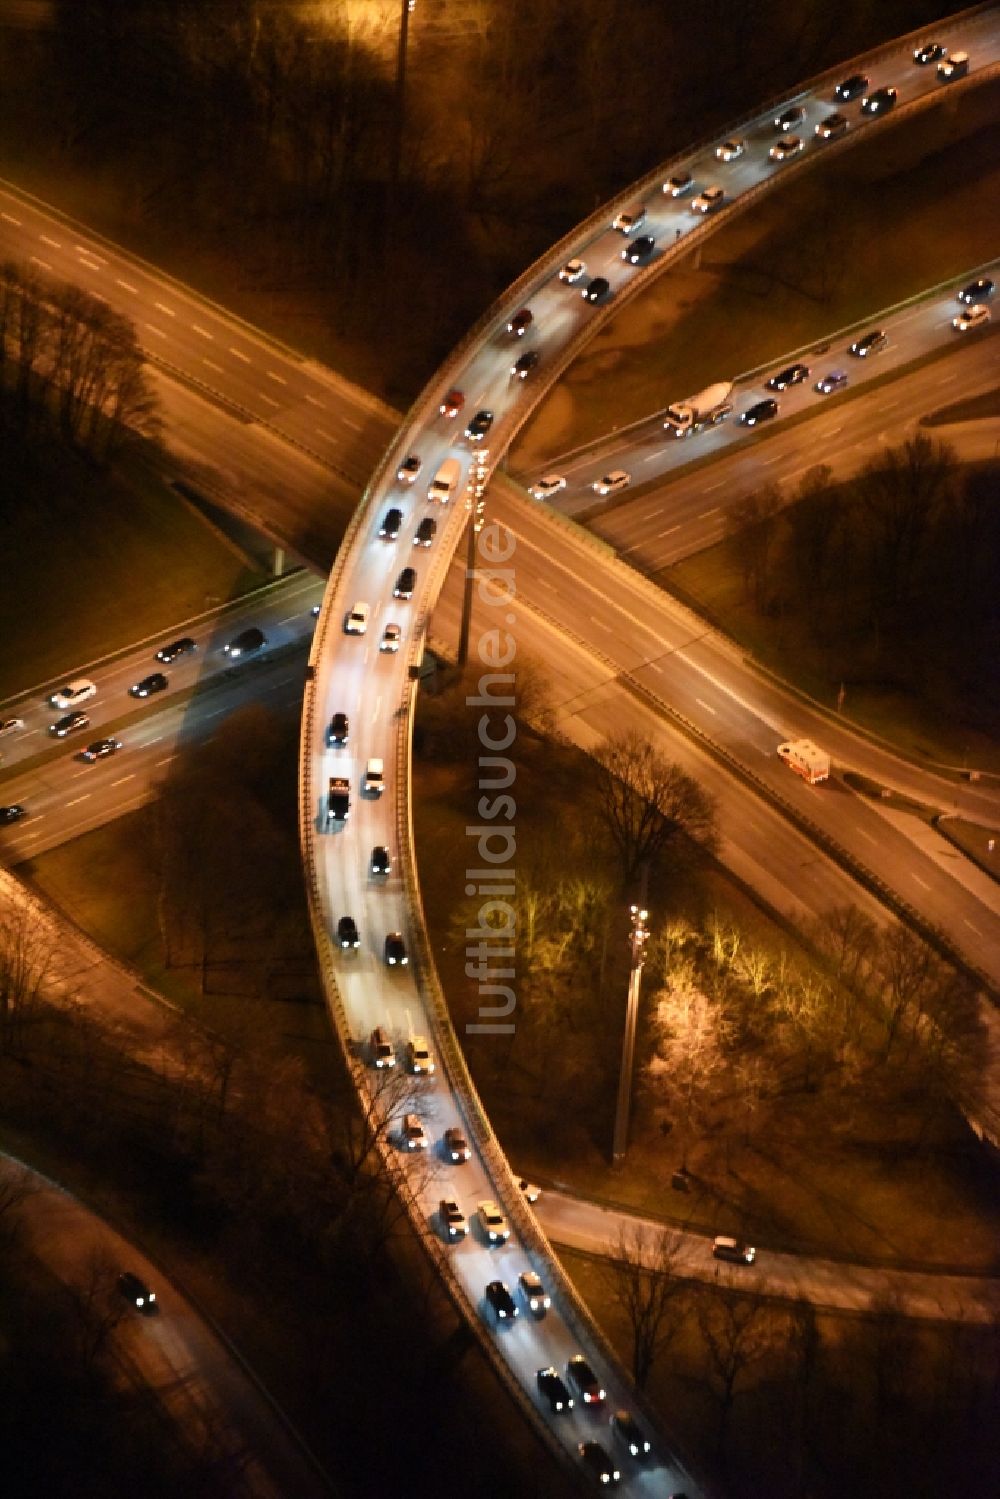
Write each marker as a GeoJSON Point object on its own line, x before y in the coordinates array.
{"type": "Point", "coordinates": [646, 453]}
{"type": "Point", "coordinates": [258, 381]}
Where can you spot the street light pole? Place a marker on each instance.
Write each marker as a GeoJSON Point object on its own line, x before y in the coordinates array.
{"type": "Point", "coordinates": [475, 503]}
{"type": "Point", "coordinates": [637, 942]}
{"type": "Point", "coordinates": [399, 121]}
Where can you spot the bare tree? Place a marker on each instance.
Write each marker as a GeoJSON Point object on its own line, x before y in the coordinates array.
{"type": "Point", "coordinates": [646, 801]}
{"type": "Point", "coordinates": [899, 495]}
{"type": "Point", "coordinates": [692, 1036]}
{"type": "Point", "coordinates": [738, 1332]}
{"type": "Point", "coordinates": [26, 972]}
{"type": "Point", "coordinates": [754, 522]}
{"type": "Point", "coordinates": [17, 1184]}
{"type": "Point", "coordinates": [96, 1308]}
{"type": "Point", "coordinates": [639, 1271]}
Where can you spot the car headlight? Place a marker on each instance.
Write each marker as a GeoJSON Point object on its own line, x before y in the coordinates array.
{"type": "Point", "coordinates": [633, 1449]}
{"type": "Point", "coordinates": [502, 1313]}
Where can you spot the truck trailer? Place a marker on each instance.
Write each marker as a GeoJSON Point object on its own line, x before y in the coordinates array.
{"type": "Point", "coordinates": [709, 407]}
{"type": "Point", "coordinates": [806, 759]}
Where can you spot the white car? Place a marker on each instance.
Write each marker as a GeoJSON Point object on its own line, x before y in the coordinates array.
{"type": "Point", "coordinates": [572, 271]}
{"type": "Point", "coordinates": [677, 186]}
{"type": "Point", "coordinates": [730, 150]}
{"type": "Point", "coordinates": [708, 201]}
{"type": "Point", "coordinates": [391, 636]}
{"type": "Point", "coordinates": [496, 1229]}
{"type": "Point", "coordinates": [787, 147]}
{"type": "Point", "coordinates": [548, 485]}
{"type": "Point", "coordinates": [971, 317]}
{"type": "Point", "coordinates": [11, 725]}
{"type": "Point", "coordinates": [537, 1298]}
{"type": "Point", "coordinates": [356, 622]}
{"type": "Point", "coordinates": [419, 1055]}
{"type": "Point", "coordinates": [531, 1192]}
{"type": "Point", "coordinates": [629, 220]}
{"type": "Point", "coordinates": [72, 694]}
{"type": "Point", "coordinates": [611, 483]}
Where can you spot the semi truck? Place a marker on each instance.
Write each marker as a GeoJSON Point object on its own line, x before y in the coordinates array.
{"type": "Point", "coordinates": [338, 800]}
{"type": "Point", "coordinates": [806, 759]}
{"type": "Point", "coordinates": [709, 407]}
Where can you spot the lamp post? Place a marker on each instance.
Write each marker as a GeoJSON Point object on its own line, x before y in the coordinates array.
{"type": "Point", "coordinates": [399, 121]}
{"type": "Point", "coordinates": [475, 503]}
{"type": "Point", "coordinates": [637, 942]}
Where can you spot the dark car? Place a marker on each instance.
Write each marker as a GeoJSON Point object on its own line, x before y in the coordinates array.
{"type": "Point", "coordinates": [338, 799]}
{"type": "Point", "coordinates": [13, 813]}
{"type": "Point", "coordinates": [584, 1380]}
{"type": "Point", "coordinates": [792, 374]}
{"type": "Point", "coordinates": [599, 1463]}
{"type": "Point", "coordinates": [246, 642]}
{"type": "Point", "coordinates": [155, 682]}
{"type": "Point", "coordinates": [850, 88]}
{"type": "Point", "coordinates": [627, 1429]}
{"type": "Point", "coordinates": [70, 723]}
{"type": "Point", "coordinates": [405, 584]}
{"type": "Point", "coordinates": [524, 364]}
{"type": "Point", "coordinates": [182, 647]}
{"type": "Point", "coordinates": [520, 322]}
{"type": "Point", "coordinates": [137, 1292]}
{"type": "Point", "coordinates": [337, 731]}
{"type": "Point", "coordinates": [452, 403]}
{"type": "Point", "coordinates": [640, 249]}
{"type": "Point", "coordinates": [760, 411]}
{"type": "Point", "coordinates": [391, 522]}
{"type": "Point", "coordinates": [879, 102]}
{"type": "Point", "coordinates": [456, 1146]}
{"type": "Point", "coordinates": [408, 469]}
{"type": "Point", "coordinates": [551, 1386]}
{"type": "Point", "coordinates": [479, 426]}
{"type": "Point", "coordinates": [831, 383]}
{"type": "Point", "coordinates": [425, 532]}
{"type": "Point", "coordinates": [977, 291]}
{"type": "Point", "coordinates": [929, 52]}
{"type": "Point", "coordinates": [790, 117]}
{"type": "Point", "coordinates": [505, 1308]}
{"type": "Point", "coordinates": [395, 950]}
{"type": "Point", "coordinates": [381, 863]}
{"type": "Point", "coordinates": [100, 749]}
{"type": "Point", "coordinates": [347, 932]}
{"type": "Point", "coordinates": [596, 289]}
{"type": "Point", "coordinates": [871, 343]}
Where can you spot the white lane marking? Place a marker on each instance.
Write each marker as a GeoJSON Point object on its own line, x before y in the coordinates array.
{"type": "Point", "coordinates": [123, 779]}
{"type": "Point", "coordinates": [865, 834]}
{"type": "Point", "coordinates": [77, 800]}
{"type": "Point", "coordinates": [714, 511]}
{"type": "Point", "coordinates": [279, 378]}
{"type": "Point", "coordinates": [125, 286]}
{"type": "Point", "coordinates": [971, 927]}
{"type": "Point", "coordinates": [668, 532]}
{"type": "Point", "coordinates": [356, 426]}
{"type": "Point", "coordinates": [832, 431]}
{"type": "Point", "coordinates": [709, 487]}
{"type": "Point", "coordinates": [203, 331]}
{"type": "Point", "coordinates": [652, 458]}
{"type": "Point", "coordinates": [238, 355]}
{"type": "Point", "coordinates": [269, 399]}
{"type": "Point", "coordinates": [921, 882]}
{"type": "Point", "coordinates": [162, 307]}
{"type": "Point", "coordinates": [165, 761]}
{"type": "Point", "coordinates": [378, 705]}
{"type": "Point", "coordinates": [217, 712]}
{"type": "Point", "coordinates": [320, 433]}
{"type": "Point", "coordinates": [313, 401]}
{"type": "Point", "coordinates": [91, 265]}
{"type": "Point", "coordinates": [728, 691]}
{"type": "Point", "coordinates": [707, 707]}
{"type": "Point", "coordinates": [154, 329]}
{"type": "Point", "coordinates": [153, 741]}
{"type": "Point", "coordinates": [287, 619]}
{"type": "Point", "coordinates": [216, 367]}
{"type": "Point", "coordinates": [56, 245]}
{"type": "Point", "coordinates": [10, 218]}
{"type": "Point", "coordinates": [37, 260]}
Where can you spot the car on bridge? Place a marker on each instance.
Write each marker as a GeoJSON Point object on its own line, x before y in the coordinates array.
{"type": "Point", "coordinates": [630, 219]}
{"type": "Point", "coordinates": [760, 411]}
{"type": "Point", "coordinates": [929, 52]}
{"type": "Point", "coordinates": [536, 1298]}
{"type": "Point", "coordinates": [391, 636]}
{"type": "Point", "coordinates": [879, 102]}
{"type": "Point", "coordinates": [155, 682]}
{"type": "Point", "coordinates": [730, 150]}
{"type": "Point", "coordinates": [832, 382]}
{"type": "Point", "coordinates": [479, 426]}
{"type": "Point", "coordinates": [548, 485]}
{"type": "Point", "coordinates": [337, 731]}
{"type": "Point", "coordinates": [583, 1379]}
{"type": "Point", "coordinates": [100, 749]}
{"type": "Point", "coordinates": [519, 324]}
{"type": "Point", "coordinates": [790, 117]}
{"type": "Point", "coordinates": [412, 1134]}
{"type": "Point", "coordinates": [245, 643]}
{"type": "Point", "coordinates": [786, 148]}
{"type": "Point", "coordinates": [832, 127]}
{"type": "Point", "coordinates": [551, 1386]}
{"type": "Point", "coordinates": [628, 1431]}
{"type": "Point", "coordinates": [572, 271]}
{"type": "Point", "coordinates": [977, 291]}
{"type": "Point", "coordinates": [678, 185]}
{"type": "Point", "coordinates": [452, 403]}
{"type": "Point", "coordinates": [425, 532]}
{"type": "Point", "coordinates": [850, 88]}
{"type": "Point", "coordinates": [456, 1146]}
{"type": "Point", "coordinates": [494, 1226]}
{"type": "Point", "coordinates": [72, 694]}
{"type": "Point", "coordinates": [338, 799]}
{"type": "Point", "coordinates": [12, 813]}
{"type": "Point", "coordinates": [612, 483]}
{"type": "Point", "coordinates": [347, 933]}
{"type": "Point", "coordinates": [708, 201]}
{"type": "Point", "coordinates": [380, 861]}
{"type": "Point", "coordinates": [383, 1053]}
{"type": "Point", "coordinates": [137, 1293]}
{"type": "Point", "coordinates": [408, 470]}
{"type": "Point", "coordinates": [418, 1056]}
{"type": "Point", "coordinates": [356, 619]}
{"type": "Point", "coordinates": [724, 1247]}
{"type": "Point", "coordinates": [10, 726]}
{"type": "Point", "coordinates": [504, 1307]}
{"type": "Point", "coordinates": [976, 316]}
{"type": "Point", "coordinates": [70, 723]}
{"type": "Point", "coordinates": [394, 950]}
{"type": "Point", "coordinates": [597, 289]}
{"type": "Point", "coordinates": [871, 343]}
{"type": "Point", "coordinates": [391, 522]}
{"type": "Point", "coordinates": [181, 647]}
{"type": "Point", "coordinates": [955, 66]}
{"type": "Point", "coordinates": [792, 374]}
{"type": "Point", "coordinates": [597, 1462]}
{"type": "Point", "coordinates": [453, 1220]}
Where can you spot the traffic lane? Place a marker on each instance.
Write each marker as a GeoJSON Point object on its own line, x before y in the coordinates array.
{"type": "Point", "coordinates": [832, 1284]}
{"type": "Point", "coordinates": [177, 1355]}
{"type": "Point", "coordinates": [66, 797]}
{"type": "Point", "coordinates": [285, 615]}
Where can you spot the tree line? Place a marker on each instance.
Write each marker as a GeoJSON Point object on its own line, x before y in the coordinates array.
{"type": "Point", "coordinates": [71, 365]}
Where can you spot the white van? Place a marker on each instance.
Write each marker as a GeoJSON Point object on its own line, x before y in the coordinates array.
{"type": "Point", "coordinates": [445, 481]}
{"type": "Point", "coordinates": [374, 782]}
